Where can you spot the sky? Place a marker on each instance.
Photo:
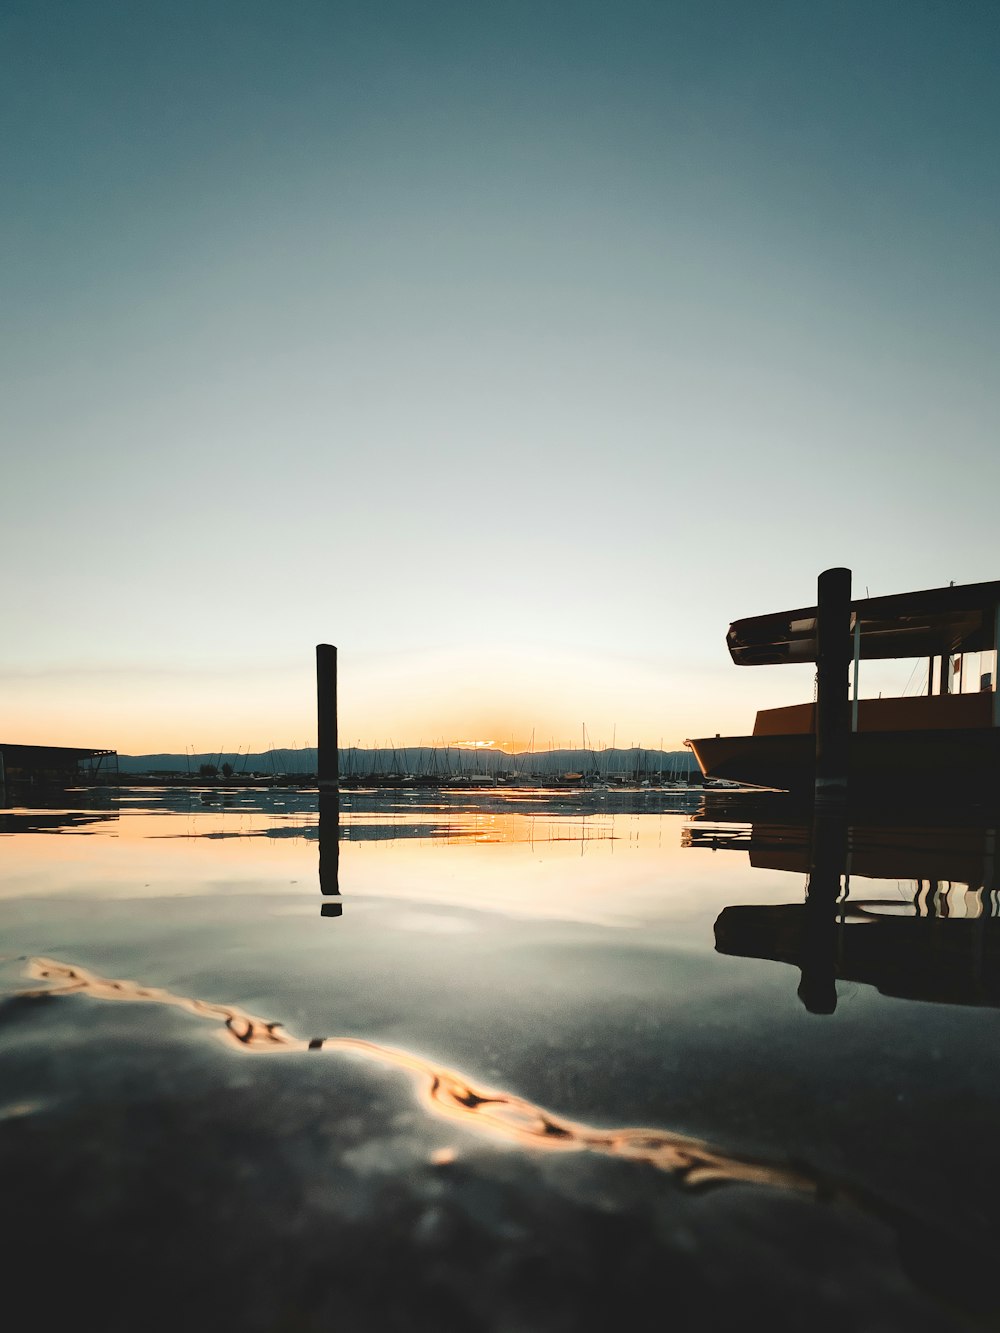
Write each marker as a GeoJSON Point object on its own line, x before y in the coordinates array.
{"type": "Point", "coordinates": [515, 349]}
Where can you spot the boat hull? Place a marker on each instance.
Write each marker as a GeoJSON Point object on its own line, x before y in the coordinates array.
{"type": "Point", "coordinates": [966, 759]}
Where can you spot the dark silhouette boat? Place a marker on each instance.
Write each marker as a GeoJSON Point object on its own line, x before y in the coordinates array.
{"type": "Point", "coordinates": [947, 737]}
{"type": "Point", "coordinates": [935, 937]}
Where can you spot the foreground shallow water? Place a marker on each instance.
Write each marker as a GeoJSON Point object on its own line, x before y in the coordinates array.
{"type": "Point", "coordinates": [498, 1061]}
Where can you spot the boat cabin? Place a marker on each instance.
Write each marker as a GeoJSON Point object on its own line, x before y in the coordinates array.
{"type": "Point", "coordinates": [942, 625]}
{"type": "Point", "coordinates": [954, 724]}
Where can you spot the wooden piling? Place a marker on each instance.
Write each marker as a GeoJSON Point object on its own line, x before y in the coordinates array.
{"type": "Point", "coordinates": [327, 757]}
{"type": "Point", "coordinates": [833, 659]}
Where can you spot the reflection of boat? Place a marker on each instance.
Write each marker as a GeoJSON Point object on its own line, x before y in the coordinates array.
{"type": "Point", "coordinates": [952, 732]}
{"type": "Point", "coordinates": [938, 942]}
{"type": "Point", "coordinates": [916, 957]}
{"type": "Point", "coordinates": [930, 852]}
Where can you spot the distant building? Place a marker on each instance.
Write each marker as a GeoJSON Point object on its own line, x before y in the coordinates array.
{"type": "Point", "coordinates": [52, 765]}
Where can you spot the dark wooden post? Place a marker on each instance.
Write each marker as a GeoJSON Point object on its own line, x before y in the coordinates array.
{"type": "Point", "coordinates": [833, 659]}
{"type": "Point", "coordinates": [327, 756]}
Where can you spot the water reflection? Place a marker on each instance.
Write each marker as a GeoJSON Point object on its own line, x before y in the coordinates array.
{"type": "Point", "coordinates": [934, 937]}
{"type": "Point", "coordinates": [693, 1163]}
{"type": "Point", "coordinates": [217, 815]}
{"type": "Point", "coordinates": [550, 977]}
{"type": "Point", "coordinates": [56, 821]}
{"type": "Point", "coordinates": [329, 852]}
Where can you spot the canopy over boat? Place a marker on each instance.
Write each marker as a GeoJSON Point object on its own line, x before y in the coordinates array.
{"type": "Point", "coordinates": [931, 623]}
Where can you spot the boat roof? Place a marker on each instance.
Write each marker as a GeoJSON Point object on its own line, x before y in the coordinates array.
{"type": "Point", "coordinates": [930, 623]}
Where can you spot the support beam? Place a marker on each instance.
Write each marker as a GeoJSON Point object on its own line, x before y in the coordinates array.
{"type": "Point", "coordinates": [327, 757]}
{"type": "Point", "coordinates": [857, 672]}
{"type": "Point", "coordinates": [833, 658]}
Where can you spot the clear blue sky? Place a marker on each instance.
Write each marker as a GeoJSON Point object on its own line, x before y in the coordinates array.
{"type": "Point", "coordinates": [514, 348]}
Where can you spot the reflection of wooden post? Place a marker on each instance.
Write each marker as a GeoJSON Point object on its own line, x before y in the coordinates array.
{"type": "Point", "coordinates": [833, 656]}
{"type": "Point", "coordinates": [329, 851]}
{"type": "Point", "coordinates": [818, 956]}
{"type": "Point", "coordinates": [327, 757]}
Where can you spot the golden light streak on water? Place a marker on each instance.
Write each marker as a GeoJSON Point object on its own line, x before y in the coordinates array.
{"type": "Point", "coordinates": [446, 1092]}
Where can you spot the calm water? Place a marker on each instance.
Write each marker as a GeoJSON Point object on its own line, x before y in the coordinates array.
{"type": "Point", "coordinates": [524, 1063]}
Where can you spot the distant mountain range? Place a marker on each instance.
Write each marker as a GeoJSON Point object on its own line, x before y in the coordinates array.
{"type": "Point", "coordinates": [427, 759]}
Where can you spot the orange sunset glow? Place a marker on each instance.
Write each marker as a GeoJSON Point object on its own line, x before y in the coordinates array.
{"type": "Point", "coordinates": [487, 700]}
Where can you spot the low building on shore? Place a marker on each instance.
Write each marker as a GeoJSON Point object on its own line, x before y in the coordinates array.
{"type": "Point", "coordinates": [56, 765]}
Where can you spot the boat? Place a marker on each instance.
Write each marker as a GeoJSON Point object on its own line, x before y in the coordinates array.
{"type": "Point", "coordinates": [947, 738]}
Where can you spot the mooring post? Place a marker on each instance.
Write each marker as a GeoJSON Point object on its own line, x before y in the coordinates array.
{"type": "Point", "coordinates": [327, 757]}
{"type": "Point", "coordinates": [833, 658]}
